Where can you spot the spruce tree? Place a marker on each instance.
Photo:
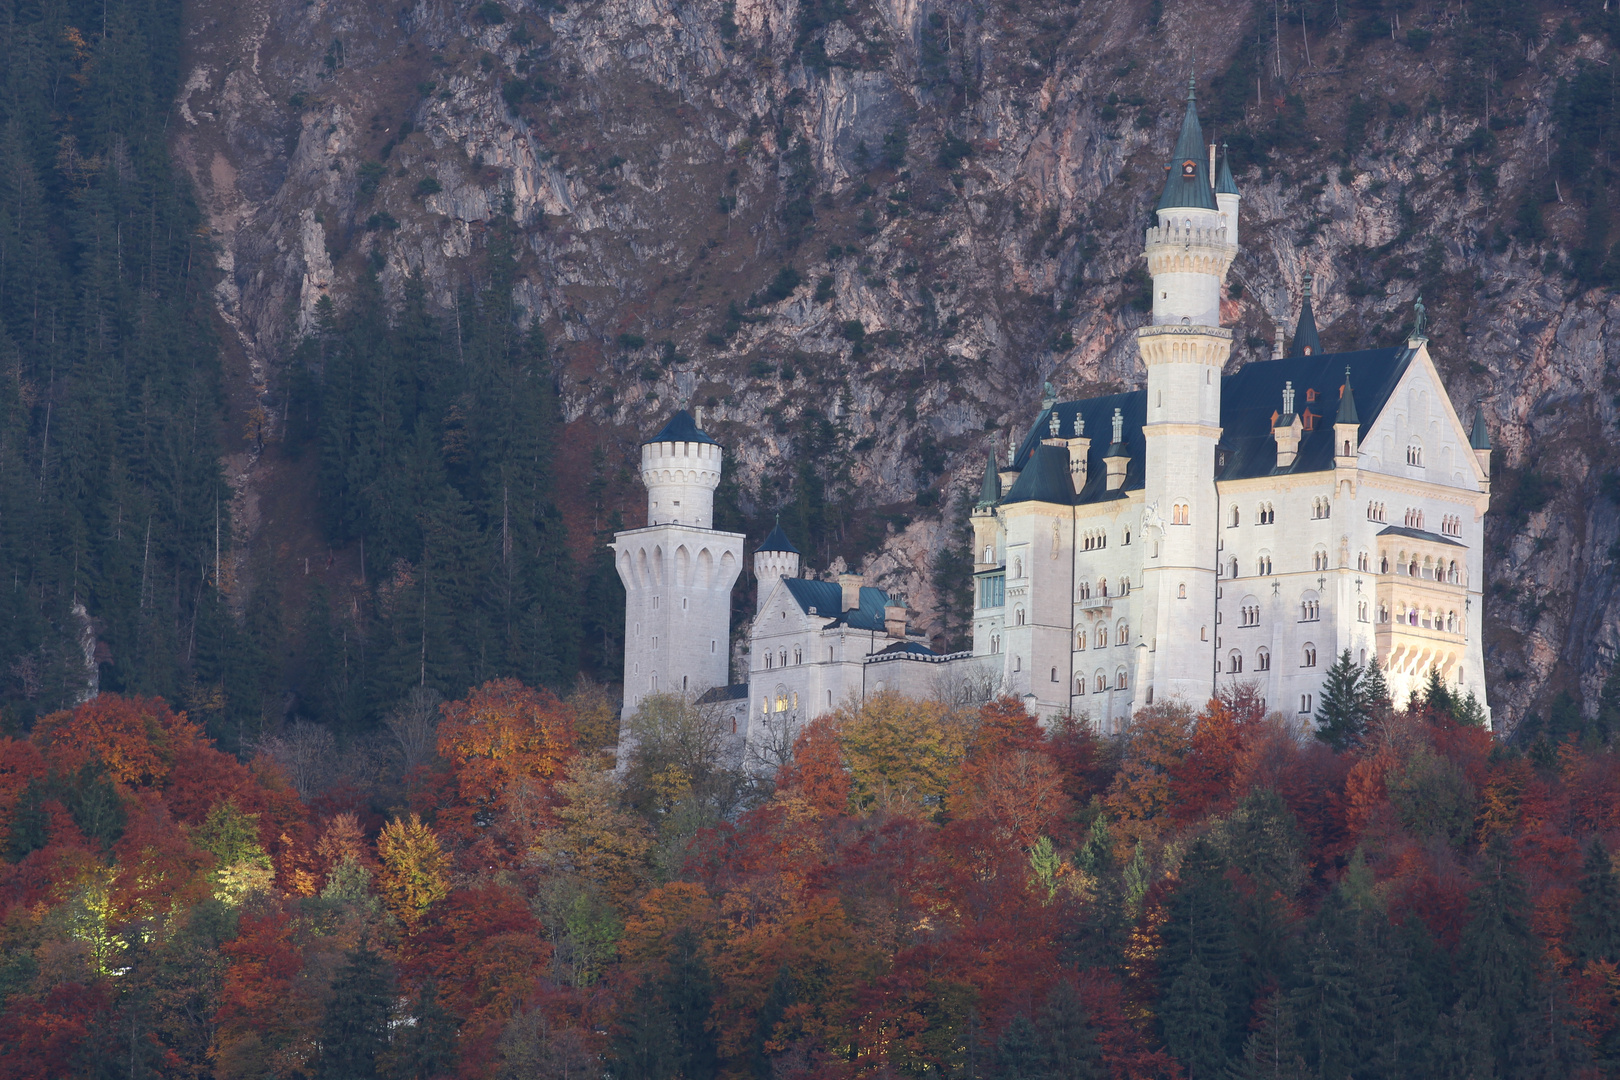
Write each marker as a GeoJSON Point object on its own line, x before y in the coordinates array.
{"type": "Point", "coordinates": [643, 1038]}
{"type": "Point", "coordinates": [1499, 958]}
{"type": "Point", "coordinates": [688, 995]}
{"type": "Point", "coordinates": [1193, 1015]}
{"type": "Point", "coordinates": [1068, 1037]}
{"type": "Point", "coordinates": [1019, 1053]}
{"type": "Point", "coordinates": [1595, 918]}
{"type": "Point", "coordinates": [1374, 692]}
{"type": "Point", "coordinates": [1274, 1050]}
{"type": "Point", "coordinates": [1340, 721]}
{"type": "Point", "coordinates": [354, 1029]}
{"type": "Point", "coordinates": [425, 1048]}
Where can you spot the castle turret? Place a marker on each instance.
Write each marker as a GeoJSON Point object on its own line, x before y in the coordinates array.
{"type": "Point", "coordinates": [1346, 427]}
{"type": "Point", "coordinates": [1184, 350]}
{"type": "Point", "coordinates": [678, 570]}
{"type": "Point", "coordinates": [1479, 440]}
{"type": "Point", "coordinates": [1227, 197]}
{"type": "Point", "coordinates": [680, 467]}
{"type": "Point", "coordinates": [1306, 342]}
{"type": "Point", "coordinates": [774, 559]}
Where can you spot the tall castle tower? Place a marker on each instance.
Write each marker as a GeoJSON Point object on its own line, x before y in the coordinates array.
{"type": "Point", "coordinates": [1184, 349]}
{"type": "Point", "coordinates": [774, 559]}
{"type": "Point", "coordinates": [677, 571]}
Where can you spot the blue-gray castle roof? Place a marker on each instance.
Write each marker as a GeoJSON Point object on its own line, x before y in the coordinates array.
{"type": "Point", "coordinates": [1250, 397]}
{"type": "Point", "coordinates": [778, 541]}
{"type": "Point", "coordinates": [827, 597]}
{"type": "Point", "coordinates": [682, 428]}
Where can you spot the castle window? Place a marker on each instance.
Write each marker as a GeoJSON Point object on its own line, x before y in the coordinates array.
{"type": "Point", "coordinates": [1414, 454]}
{"type": "Point", "coordinates": [1119, 679]}
{"type": "Point", "coordinates": [1122, 634]}
{"type": "Point", "coordinates": [1018, 616]}
{"type": "Point", "coordinates": [1080, 685]}
{"type": "Point", "coordinates": [1310, 608]}
{"type": "Point", "coordinates": [989, 553]}
{"type": "Point", "coordinates": [655, 682]}
{"type": "Point", "coordinates": [1304, 703]}
{"type": "Point", "coordinates": [1235, 663]}
{"type": "Point", "coordinates": [1363, 562]}
{"type": "Point", "coordinates": [1018, 663]}
{"type": "Point", "coordinates": [1181, 592]}
{"type": "Point", "coordinates": [1054, 674]}
{"type": "Point", "coordinates": [1308, 655]}
{"type": "Point", "coordinates": [1262, 660]}
{"type": "Point", "coordinates": [1101, 682]}
{"type": "Point", "coordinates": [1319, 559]}
{"type": "Point", "coordinates": [1179, 514]}
{"type": "Point", "coordinates": [1237, 518]}
{"type": "Point", "coordinates": [1361, 611]}
{"type": "Point", "coordinates": [1124, 586]}
{"type": "Point", "coordinates": [1018, 568]}
{"type": "Point", "coordinates": [1203, 633]}
{"type": "Point", "coordinates": [1262, 565]}
{"type": "Point", "coordinates": [1234, 566]}
{"type": "Point", "coordinates": [769, 661]}
{"type": "Point", "coordinates": [1102, 586]}
{"type": "Point", "coordinates": [1085, 590]}
{"type": "Point", "coordinates": [1102, 636]}
{"type": "Point", "coordinates": [795, 701]}
{"type": "Point", "coordinates": [1126, 538]}
{"type": "Point", "coordinates": [1080, 641]}
{"type": "Point", "coordinates": [1346, 451]}
{"type": "Point", "coordinates": [798, 655]}
{"type": "Point", "coordinates": [993, 591]}
{"type": "Point", "coordinates": [764, 705]}
{"type": "Point", "coordinates": [683, 683]}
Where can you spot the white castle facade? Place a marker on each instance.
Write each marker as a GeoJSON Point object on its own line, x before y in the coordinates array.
{"type": "Point", "coordinates": [1134, 548]}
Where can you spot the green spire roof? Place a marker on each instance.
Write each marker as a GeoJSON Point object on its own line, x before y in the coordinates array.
{"type": "Point", "coordinates": [1188, 183]}
{"type": "Point", "coordinates": [1306, 343]}
{"type": "Point", "coordinates": [1224, 184]}
{"type": "Point", "coordinates": [990, 492]}
{"type": "Point", "coordinates": [1480, 437]}
{"type": "Point", "coordinates": [1347, 403]}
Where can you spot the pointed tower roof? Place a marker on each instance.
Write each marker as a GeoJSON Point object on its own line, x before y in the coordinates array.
{"type": "Point", "coordinates": [990, 490]}
{"type": "Point", "coordinates": [1347, 403]}
{"type": "Point", "coordinates": [1480, 437]}
{"type": "Point", "coordinates": [778, 541]}
{"type": "Point", "coordinates": [681, 428]}
{"type": "Point", "coordinates": [1306, 343]}
{"type": "Point", "coordinates": [1224, 184]}
{"type": "Point", "coordinates": [1188, 183]}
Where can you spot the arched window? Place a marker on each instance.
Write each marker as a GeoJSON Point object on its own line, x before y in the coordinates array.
{"type": "Point", "coordinates": [1262, 565]}
{"type": "Point", "coordinates": [1383, 564]}
{"type": "Point", "coordinates": [1102, 586]}
{"type": "Point", "coordinates": [1363, 562]}
{"type": "Point", "coordinates": [798, 655]}
{"type": "Point", "coordinates": [1101, 636]}
{"type": "Point", "coordinates": [1262, 660]}
{"type": "Point", "coordinates": [770, 661]}
{"type": "Point", "coordinates": [1125, 586]}
{"type": "Point", "coordinates": [1119, 679]}
{"type": "Point", "coordinates": [1308, 655]}
{"type": "Point", "coordinates": [1234, 566]}
{"type": "Point", "coordinates": [1181, 591]}
{"type": "Point", "coordinates": [1179, 514]}
{"type": "Point", "coordinates": [1310, 608]}
{"type": "Point", "coordinates": [1080, 641]}
{"type": "Point", "coordinates": [1237, 518]}
{"type": "Point", "coordinates": [1054, 674]}
{"type": "Point", "coordinates": [1345, 451]}
{"type": "Point", "coordinates": [1122, 633]}
{"type": "Point", "coordinates": [1085, 590]}
{"type": "Point", "coordinates": [989, 553]}
{"type": "Point", "coordinates": [1451, 572]}
{"type": "Point", "coordinates": [1018, 568]}
{"type": "Point", "coordinates": [1018, 616]}
{"type": "Point", "coordinates": [783, 657]}
{"type": "Point", "coordinates": [1125, 538]}
{"type": "Point", "coordinates": [1319, 559]}
{"type": "Point", "coordinates": [1304, 703]}
{"type": "Point", "coordinates": [1080, 684]}
{"type": "Point", "coordinates": [1414, 453]}
{"type": "Point", "coordinates": [1101, 681]}
{"type": "Point", "coordinates": [1234, 662]}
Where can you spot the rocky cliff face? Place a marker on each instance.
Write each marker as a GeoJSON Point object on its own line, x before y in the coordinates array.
{"type": "Point", "coordinates": [888, 221]}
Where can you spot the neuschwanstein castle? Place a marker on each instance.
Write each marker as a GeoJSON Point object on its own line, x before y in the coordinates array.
{"type": "Point", "coordinates": [1132, 548]}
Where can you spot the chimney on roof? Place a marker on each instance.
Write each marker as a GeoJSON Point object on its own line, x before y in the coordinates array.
{"type": "Point", "coordinates": [894, 618]}
{"type": "Point", "coordinates": [1277, 346]}
{"type": "Point", "coordinates": [1286, 428]}
{"type": "Point", "coordinates": [850, 585]}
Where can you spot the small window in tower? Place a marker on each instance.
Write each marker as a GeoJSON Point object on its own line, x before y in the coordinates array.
{"type": "Point", "coordinates": [683, 603]}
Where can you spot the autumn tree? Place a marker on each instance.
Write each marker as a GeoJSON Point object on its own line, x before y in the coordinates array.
{"type": "Point", "coordinates": [902, 754]}
{"type": "Point", "coordinates": [415, 869]}
{"type": "Point", "coordinates": [501, 736]}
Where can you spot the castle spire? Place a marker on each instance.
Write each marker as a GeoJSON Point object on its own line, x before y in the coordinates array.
{"type": "Point", "coordinates": [1224, 184]}
{"type": "Point", "coordinates": [990, 490]}
{"type": "Point", "coordinates": [1306, 343]}
{"type": "Point", "coordinates": [1187, 184]}
{"type": "Point", "coordinates": [1347, 403]}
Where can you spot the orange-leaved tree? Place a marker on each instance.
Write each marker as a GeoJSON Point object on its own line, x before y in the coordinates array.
{"type": "Point", "coordinates": [136, 738]}
{"type": "Point", "coordinates": [503, 733]}
{"type": "Point", "coordinates": [902, 754]}
{"type": "Point", "coordinates": [817, 773]}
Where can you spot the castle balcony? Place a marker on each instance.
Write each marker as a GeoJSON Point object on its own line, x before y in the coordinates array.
{"type": "Point", "coordinates": [1419, 623]}
{"type": "Point", "coordinates": [1170, 343]}
{"type": "Point", "coordinates": [1188, 250]}
{"type": "Point", "coordinates": [1093, 605]}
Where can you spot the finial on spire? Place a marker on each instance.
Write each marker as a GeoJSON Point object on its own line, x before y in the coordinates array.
{"type": "Point", "coordinates": [1012, 448]}
{"type": "Point", "coordinates": [1288, 398]}
{"type": "Point", "coordinates": [1307, 284]}
{"type": "Point", "coordinates": [1055, 424]}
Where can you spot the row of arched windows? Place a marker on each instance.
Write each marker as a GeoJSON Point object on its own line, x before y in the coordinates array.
{"type": "Point", "coordinates": [1085, 590]}
{"type": "Point", "coordinates": [1099, 681]}
{"type": "Point", "coordinates": [1321, 508]}
{"type": "Point", "coordinates": [780, 657]}
{"type": "Point", "coordinates": [1414, 518]}
{"type": "Point", "coordinates": [1376, 512]}
{"type": "Point", "coordinates": [1414, 453]}
{"type": "Point", "coordinates": [1094, 540]}
{"type": "Point", "coordinates": [1122, 635]}
{"type": "Point", "coordinates": [1451, 525]}
{"type": "Point", "coordinates": [1427, 568]}
{"type": "Point", "coordinates": [1234, 661]}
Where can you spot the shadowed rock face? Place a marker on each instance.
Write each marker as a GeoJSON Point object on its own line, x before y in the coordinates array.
{"type": "Point", "coordinates": [968, 183]}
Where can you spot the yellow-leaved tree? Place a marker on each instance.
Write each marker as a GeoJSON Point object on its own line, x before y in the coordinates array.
{"type": "Point", "coordinates": [415, 873]}
{"type": "Point", "coordinates": [902, 754]}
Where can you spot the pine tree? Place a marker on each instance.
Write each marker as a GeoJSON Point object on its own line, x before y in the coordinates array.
{"type": "Point", "coordinates": [1193, 1014]}
{"type": "Point", "coordinates": [1374, 692]}
{"type": "Point", "coordinates": [354, 1030]}
{"type": "Point", "coordinates": [1200, 918]}
{"type": "Point", "coordinates": [1499, 957]}
{"type": "Point", "coordinates": [1274, 1050]}
{"type": "Point", "coordinates": [1595, 918]}
{"type": "Point", "coordinates": [1436, 695]}
{"type": "Point", "coordinates": [1019, 1054]}
{"type": "Point", "coordinates": [642, 1040]}
{"type": "Point", "coordinates": [1068, 1037]}
{"type": "Point", "coordinates": [688, 996]}
{"type": "Point", "coordinates": [1340, 720]}
{"type": "Point", "coordinates": [426, 1048]}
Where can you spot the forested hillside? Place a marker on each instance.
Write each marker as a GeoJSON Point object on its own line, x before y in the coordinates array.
{"type": "Point", "coordinates": [921, 892]}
